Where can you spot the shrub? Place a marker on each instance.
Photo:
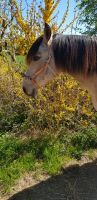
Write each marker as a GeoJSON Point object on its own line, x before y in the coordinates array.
{"type": "Point", "coordinates": [60, 103]}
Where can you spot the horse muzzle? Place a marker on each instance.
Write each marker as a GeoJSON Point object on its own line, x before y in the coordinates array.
{"type": "Point", "coordinates": [31, 93]}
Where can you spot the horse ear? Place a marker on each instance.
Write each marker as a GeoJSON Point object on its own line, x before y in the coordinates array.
{"type": "Point", "coordinates": [47, 32]}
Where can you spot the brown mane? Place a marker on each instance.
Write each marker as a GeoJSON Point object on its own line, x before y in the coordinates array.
{"type": "Point", "coordinates": [75, 54]}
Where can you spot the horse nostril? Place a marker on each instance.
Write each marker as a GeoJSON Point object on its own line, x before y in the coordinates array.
{"type": "Point", "coordinates": [24, 89]}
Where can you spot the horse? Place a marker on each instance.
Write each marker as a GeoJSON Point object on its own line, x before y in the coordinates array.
{"type": "Point", "coordinates": [52, 54]}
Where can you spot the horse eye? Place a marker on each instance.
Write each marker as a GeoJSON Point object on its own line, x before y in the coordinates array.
{"type": "Point", "coordinates": [36, 58]}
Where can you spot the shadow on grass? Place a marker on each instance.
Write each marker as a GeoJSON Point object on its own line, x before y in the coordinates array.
{"type": "Point", "coordinates": [74, 183]}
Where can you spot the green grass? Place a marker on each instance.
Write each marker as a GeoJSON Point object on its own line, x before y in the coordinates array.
{"type": "Point", "coordinates": [10, 173]}
{"type": "Point", "coordinates": [18, 157]}
{"type": "Point", "coordinates": [20, 59]}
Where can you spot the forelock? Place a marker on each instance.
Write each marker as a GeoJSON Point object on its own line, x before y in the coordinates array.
{"type": "Point", "coordinates": [33, 50]}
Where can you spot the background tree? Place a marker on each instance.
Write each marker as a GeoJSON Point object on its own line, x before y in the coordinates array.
{"type": "Point", "coordinates": [88, 17]}
{"type": "Point", "coordinates": [6, 20]}
{"type": "Point", "coordinates": [22, 22]}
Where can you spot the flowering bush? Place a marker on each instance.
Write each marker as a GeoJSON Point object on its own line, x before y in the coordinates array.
{"type": "Point", "coordinates": [60, 103]}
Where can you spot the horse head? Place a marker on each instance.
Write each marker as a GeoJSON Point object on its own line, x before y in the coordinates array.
{"type": "Point", "coordinates": [41, 65]}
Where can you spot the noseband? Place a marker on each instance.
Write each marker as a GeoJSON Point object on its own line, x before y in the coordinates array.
{"type": "Point", "coordinates": [39, 71]}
